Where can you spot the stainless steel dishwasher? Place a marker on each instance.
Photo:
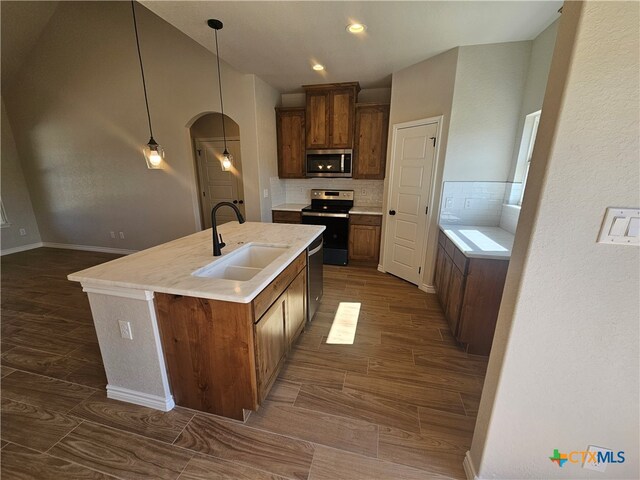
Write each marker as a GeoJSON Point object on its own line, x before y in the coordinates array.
{"type": "Point", "coordinates": [315, 277]}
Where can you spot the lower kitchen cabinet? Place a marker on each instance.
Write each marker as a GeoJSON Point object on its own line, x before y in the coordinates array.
{"type": "Point", "coordinates": [364, 239]}
{"type": "Point", "coordinates": [223, 357]}
{"type": "Point", "coordinates": [470, 292]}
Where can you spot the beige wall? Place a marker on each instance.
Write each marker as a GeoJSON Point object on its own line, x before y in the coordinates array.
{"type": "Point", "coordinates": [423, 90]}
{"type": "Point", "coordinates": [564, 371]}
{"type": "Point", "coordinates": [79, 122]}
{"type": "Point", "coordinates": [15, 196]}
{"type": "Point", "coordinates": [534, 88]}
{"type": "Point", "coordinates": [484, 117]}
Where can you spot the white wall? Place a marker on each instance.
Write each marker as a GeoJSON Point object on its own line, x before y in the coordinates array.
{"type": "Point", "coordinates": [15, 196]}
{"type": "Point", "coordinates": [487, 97]}
{"type": "Point", "coordinates": [563, 371]}
{"type": "Point", "coordinates": [420, 91]}
{"type": "Point", "coordinates": [79, 122]}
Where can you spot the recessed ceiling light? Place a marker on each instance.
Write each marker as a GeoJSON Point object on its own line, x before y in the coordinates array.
{"type": "Point", "coordinates": [318, 67]}
{"type": "Point", "coordinates": [356, 28]}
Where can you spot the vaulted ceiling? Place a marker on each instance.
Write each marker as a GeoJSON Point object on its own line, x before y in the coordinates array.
{"type": "Point", "coordinates": [279, 41]}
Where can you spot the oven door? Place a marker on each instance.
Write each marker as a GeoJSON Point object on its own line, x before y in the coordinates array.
{"type": "Point", "coordinates": [336, 235]}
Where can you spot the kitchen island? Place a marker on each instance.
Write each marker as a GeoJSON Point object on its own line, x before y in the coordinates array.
{"type": "Point", "coordinates": [177, 325]}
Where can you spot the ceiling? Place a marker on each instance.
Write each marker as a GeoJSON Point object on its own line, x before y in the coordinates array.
{"type": "Point", "coordinates": [21, 26]}
{"type": "Point", "coordinates": [279, 41]}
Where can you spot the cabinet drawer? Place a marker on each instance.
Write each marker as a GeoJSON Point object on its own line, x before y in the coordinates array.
{"type": "Point", "coordinates": [442, 238]}
{"type": "Point", "coordinates": [280, 216]}
{"type": "Point", "coordinates": [365, 220]}
{"type": "Point", "coordinates": [460, 261]}
{"type": "Point", "coordinates": [449, 247]}
{"type": "Point", "coordinates": [269, 295]}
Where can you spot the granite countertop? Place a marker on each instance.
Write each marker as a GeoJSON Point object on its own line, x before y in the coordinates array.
{"type": "Point", "coordinates": [289, 207]}
{"type": "Point", "coordinates": [296, 207]}
{"type": "Point", "coordinates": [480, 242]}
{"type": "Point", "coordinates": [168, 268]}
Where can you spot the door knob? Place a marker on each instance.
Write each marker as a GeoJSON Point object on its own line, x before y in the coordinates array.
{"type": "Point", "coordinates": [241, 202]}
{"type": "Point", "coordinates": [392, 212]}
{"type": "Point", "coordinates": [235, 201]}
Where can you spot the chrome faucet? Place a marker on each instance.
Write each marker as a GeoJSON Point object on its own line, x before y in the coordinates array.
{"type": "Point", "coordinates": [218, 243]}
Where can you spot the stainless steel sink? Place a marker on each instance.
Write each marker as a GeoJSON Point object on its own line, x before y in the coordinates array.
{"type": "Point", "coordinates": [243, 264]}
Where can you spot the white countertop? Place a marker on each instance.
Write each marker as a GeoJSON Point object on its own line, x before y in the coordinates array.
{"type": "Point", "coordinates": [366, 210]}
{"type": "Point", "coordinates": [480, 242]}
{"type": "Point", "coordinates": [289, 207]}
{"type": "Point", "coordinates": [167, 268]}
{"type": "Point", "coordinates": [296, 207]}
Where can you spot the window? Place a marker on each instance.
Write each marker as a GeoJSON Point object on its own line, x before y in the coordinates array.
{"type": "Point", "coordinates": [529, 133]}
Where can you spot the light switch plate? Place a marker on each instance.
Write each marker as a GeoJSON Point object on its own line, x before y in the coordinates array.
{"type": "Point", "coordinates": [620, 226]}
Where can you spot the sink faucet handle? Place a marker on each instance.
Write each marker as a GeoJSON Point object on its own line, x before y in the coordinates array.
{"type": "Point", "coordinates": [222, 244]}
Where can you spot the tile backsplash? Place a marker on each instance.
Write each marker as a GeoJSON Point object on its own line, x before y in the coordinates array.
{"type": "Point", "coordinates": [481, 203]}
{"type": "Point", "coordinates": [367, 193]}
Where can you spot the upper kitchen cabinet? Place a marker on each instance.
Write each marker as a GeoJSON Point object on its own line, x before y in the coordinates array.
{"type": "Point", "coordinates": [370, 152]}
{"type": "Point", "coordinates": [290, 130]}
{"type": "Point", "coordinates": [330, 115]}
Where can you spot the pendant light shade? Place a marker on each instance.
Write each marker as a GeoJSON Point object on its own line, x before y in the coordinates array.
{"type": "Point", "coordinates": [153, 153]}
{"type": "Point", "coordinates": [226, 161]}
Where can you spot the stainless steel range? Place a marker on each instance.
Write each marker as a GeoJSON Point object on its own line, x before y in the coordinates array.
{"type": "Point", "coordinates": [331, 209]}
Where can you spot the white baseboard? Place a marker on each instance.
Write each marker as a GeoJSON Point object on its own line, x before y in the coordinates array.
{"type": "Point", "coordinates": [427, 288]}
{"type": "Point", "coordinates": [140, 398]}
{"type": "Point", "coordinates": [88, 248]}
{"type": "Point", "coordinates": [381, 269]}
{"type": "Point", "coordinates": [469, 469]}
{"type": "Point", "coordinates": [21, 248]}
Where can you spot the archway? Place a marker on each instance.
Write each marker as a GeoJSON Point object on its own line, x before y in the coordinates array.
{"type": "Point", "coordinates": [215, 182]}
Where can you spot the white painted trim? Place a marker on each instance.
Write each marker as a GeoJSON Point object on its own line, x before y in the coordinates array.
{"type": "Point", "coordinates": [140, 398]}
{"type": "Point", "coordinates": [118, 292]}
{"type": "Point", "coordinates": [438, 120]}
{"type": "Point", "coordinates": [88, 248]}
{"type": "Point", "coordinates": [21, 248]}
{"type": "Point", "coordinates": [469, 469]}
{"type": "Point", "coordinates": [427, 288]}
{"type": "Point", "coordinates": [381, 268]}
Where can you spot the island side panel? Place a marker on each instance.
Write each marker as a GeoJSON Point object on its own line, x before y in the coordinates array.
{"type": "Point", "coordinates": [135, 367]}
{"type": "Point", "coordinates": [209, 351]}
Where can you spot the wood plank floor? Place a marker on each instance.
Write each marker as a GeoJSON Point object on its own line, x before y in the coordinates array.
{"type": "Point", "coordinates": [381, 394]}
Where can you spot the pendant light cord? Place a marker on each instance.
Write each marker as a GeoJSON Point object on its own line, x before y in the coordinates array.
{"type": "Point", "coordinates": [224, 135]}
{"type": "Point", "coordinates": [144, 84]}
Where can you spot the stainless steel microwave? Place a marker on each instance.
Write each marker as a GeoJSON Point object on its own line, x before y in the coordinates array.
{"type": "Point", "coordinates": [329, 163]}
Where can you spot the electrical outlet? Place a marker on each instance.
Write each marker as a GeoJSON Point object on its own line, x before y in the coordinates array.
{"type": "Point", "coordinates": [266, 193]}
{"type": "Point", "coordinates": [448, 203]}
{"type": "Point", "coordinates": [23, 232]}
{"type": "Point", "coordinates": [125, 330]}
{"type": "Point", "coordinates": [112, 234]}
{"type": "Point", "coordinates": [468, 203]}
{"type": "Point", "coordinates": [121, 235]}
{"type": "Point", "coordinates": [363, 192]}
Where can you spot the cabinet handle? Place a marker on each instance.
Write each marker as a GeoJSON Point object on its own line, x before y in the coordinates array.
{"type": "Point", "coordinates": [235, 201]}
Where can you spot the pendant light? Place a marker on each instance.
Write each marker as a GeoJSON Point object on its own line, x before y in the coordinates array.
{"type": "Point", "coordinates": [227, 158]}
{"type": "Point", "coordinates": [153, 153]}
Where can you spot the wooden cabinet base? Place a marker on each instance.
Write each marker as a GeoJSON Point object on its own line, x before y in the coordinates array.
{"type": "Point", "coordinates": [223, 357]}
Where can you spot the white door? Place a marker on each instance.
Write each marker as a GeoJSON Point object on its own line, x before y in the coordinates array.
{"type": "Point", "coordinates": [410, 190]}
{"type": "Point", "coordinates": [216, 185]}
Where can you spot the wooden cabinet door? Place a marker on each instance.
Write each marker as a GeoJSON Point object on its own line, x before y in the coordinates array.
{"type": "Point", "coordinates": [317, 120]}
{"type": "Point", "coordinates": [271, 344]}
{"type": "Point", "coordinates": [370, 149]}
{"type": "Point", "coordinates": [341, 117]}
{"type": "Point", "coordinates": [280, 216]}
{"type": "Point", "coordinates": [437, 278]}
{"type": "Point", "coordinates": [447, 265]}
{"type": "Point", "coordinates": [364, 243]}
{"type": "Point", "coordinates": [454, 302]}
{"type": "Point", "coordinates": [296, 307]}
{"type": "Point", "coordinates": [290, 128]}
